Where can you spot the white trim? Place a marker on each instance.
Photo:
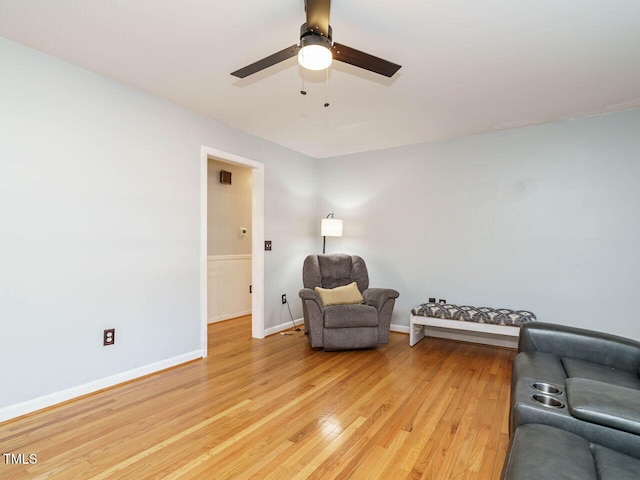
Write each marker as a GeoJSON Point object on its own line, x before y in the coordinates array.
{"type": "Point", "coordinates": [284, 326]}
{"type": "Point", "coordinates": [257, 249]}
{"type": "Point", "coordinates": [204, 267]}
{"type": "Point", "coordinates": [13, 411]}
{"type": "Point", "coordinates": [399, 328]}
{"type": "Point", "coordinates": [487, 333]}
{"type": "Point", "coordinates": [257, 245]}
{"type": "Point", "coordinates": [222, 318]}
{"type": "Point", "coordinates": [219, 258]}
{"type": "Point", "coordinates": [473, 337]}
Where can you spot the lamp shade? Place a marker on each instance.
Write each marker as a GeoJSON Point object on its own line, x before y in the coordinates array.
{"type": "Point", "coordinates": [331, 227]}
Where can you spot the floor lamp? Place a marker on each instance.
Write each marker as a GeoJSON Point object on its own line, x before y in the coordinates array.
{"type": "Point", "coordinates": [330, 227]}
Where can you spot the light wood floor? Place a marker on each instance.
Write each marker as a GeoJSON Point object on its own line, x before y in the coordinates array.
{"type": "Point", "coordinates": [276, 409]}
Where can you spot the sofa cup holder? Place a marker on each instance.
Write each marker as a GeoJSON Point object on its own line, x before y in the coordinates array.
{"type": "Point", "coordinates": [547, 400]}
{"type": "Point", "coordinates": [546, 388]}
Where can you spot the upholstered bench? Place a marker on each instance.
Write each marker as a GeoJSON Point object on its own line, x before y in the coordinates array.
{"type": "Point", "coordinates": [492, 326]}
{"type": "Point", "coordinates": [540, 451]}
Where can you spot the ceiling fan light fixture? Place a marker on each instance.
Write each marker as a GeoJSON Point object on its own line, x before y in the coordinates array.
{"type": "Point", "coordinates": [315, 49]}
{"type": "Point", "coordinates": [315, 57]}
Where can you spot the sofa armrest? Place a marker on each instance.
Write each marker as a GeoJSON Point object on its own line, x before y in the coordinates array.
{"type": "Point", "coordinates": [592, 346]}
{"type": "Point", "coordinates": [377, 297]}
{"type": "Point", "coordinates": [604, 404]}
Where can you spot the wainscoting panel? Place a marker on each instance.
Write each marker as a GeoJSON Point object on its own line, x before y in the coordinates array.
{"type": "Point", "coordinates": [228, 280]}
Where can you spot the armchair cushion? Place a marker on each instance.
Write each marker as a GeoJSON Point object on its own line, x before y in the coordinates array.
{"type": "Point", "coordinates": [346, 295]}
{"type": "Point", "coordinates": [350, 316]}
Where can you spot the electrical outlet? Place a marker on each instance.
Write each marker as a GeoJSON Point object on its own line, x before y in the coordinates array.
{"type": "Point", "coordinates": [432, 300]}
{"type": "Point", "coordinates": [284, 298]}
{"type": "Point", "coordinates": [442, 301]}
{"type": "Point", "coordinates": [109, 337]}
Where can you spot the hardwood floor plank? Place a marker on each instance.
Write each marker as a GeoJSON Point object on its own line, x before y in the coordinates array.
{"type": "Point", "coordinates": [277, 409]}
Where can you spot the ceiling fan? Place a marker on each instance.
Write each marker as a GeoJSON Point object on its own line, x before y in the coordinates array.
{"type": "Point", "coordinates": [316, 49]}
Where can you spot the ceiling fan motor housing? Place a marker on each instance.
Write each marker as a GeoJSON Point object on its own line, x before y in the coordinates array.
{"type": "Point", "coordinates": [309, 36]}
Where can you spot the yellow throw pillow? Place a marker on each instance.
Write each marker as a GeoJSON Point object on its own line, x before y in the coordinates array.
{"type": "Point", "coordinates": [347, 295]}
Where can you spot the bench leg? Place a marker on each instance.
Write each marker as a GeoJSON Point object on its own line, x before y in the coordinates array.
{"type": "Point", "coordinates": [416, 332]}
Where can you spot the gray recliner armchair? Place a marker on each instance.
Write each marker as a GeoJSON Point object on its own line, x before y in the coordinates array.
{"type": "Point", "coordinates": [344, 326]}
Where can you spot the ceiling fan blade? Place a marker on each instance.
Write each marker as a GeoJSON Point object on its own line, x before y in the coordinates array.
{"type": "Point", "coordinates": [318, 16]}
{"type": "Point", "coordinates": [360, 59]}
{"type": "Point", "coordinates": [266, 62]}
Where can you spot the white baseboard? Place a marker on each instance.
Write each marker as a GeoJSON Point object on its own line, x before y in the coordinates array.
{"type": "Point", "coordinates": [17, 410]}
{"type": "Point", "coordinates": [221, 318]}
{"type": "Point", "coordinates": [399, 328]}
{"type": "Point", "coordinates": [283, 326]}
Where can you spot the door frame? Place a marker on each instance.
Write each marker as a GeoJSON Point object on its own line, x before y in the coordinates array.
{"type": "Point", "coordinates": [257, 235]}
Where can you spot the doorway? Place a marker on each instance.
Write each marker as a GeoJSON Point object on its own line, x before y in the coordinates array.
{"type": "Point", "coordinates": [257, 240]}
{"type": "Point", "coordinates": [229, 236]}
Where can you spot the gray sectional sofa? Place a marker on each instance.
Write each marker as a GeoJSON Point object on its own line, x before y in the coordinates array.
{"type": "Point", "coordinates": [575, 405]}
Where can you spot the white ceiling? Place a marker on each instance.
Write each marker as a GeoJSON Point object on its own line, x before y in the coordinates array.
{"type": "Point", "coordinates": [468, 66]}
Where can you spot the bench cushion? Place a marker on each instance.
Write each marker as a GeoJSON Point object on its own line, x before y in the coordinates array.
{"type": "Point", "coordinates": [495, 316]}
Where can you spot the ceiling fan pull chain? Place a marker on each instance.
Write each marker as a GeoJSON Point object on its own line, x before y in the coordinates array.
{"type": "Point", "coordinates": [303, 91]}
{"type": "Point", "coordinates": [326, 92]}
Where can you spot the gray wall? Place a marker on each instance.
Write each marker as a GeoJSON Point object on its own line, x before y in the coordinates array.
{"type": "Point", "coordinates": [545, 218]}
{"type": "Point", "coordinates": [228, 210]}
{"type": "Point", "coordinates": [100, 203]}
{"type": "Point", "coordinates": [99, 195]}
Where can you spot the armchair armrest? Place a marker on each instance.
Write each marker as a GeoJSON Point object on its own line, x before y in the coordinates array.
{"type": "Point", "coordinates": [308, 294]}
{"type": "Point", "coordinates": [376, 297]}
{"type": "Point", "coordinates": [313, 311]}
{"type": "Point", "coordinates": [589, 345]}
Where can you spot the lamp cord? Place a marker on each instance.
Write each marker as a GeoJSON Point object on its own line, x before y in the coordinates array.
{"type": "Point", "coordinates": [297, 329]}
